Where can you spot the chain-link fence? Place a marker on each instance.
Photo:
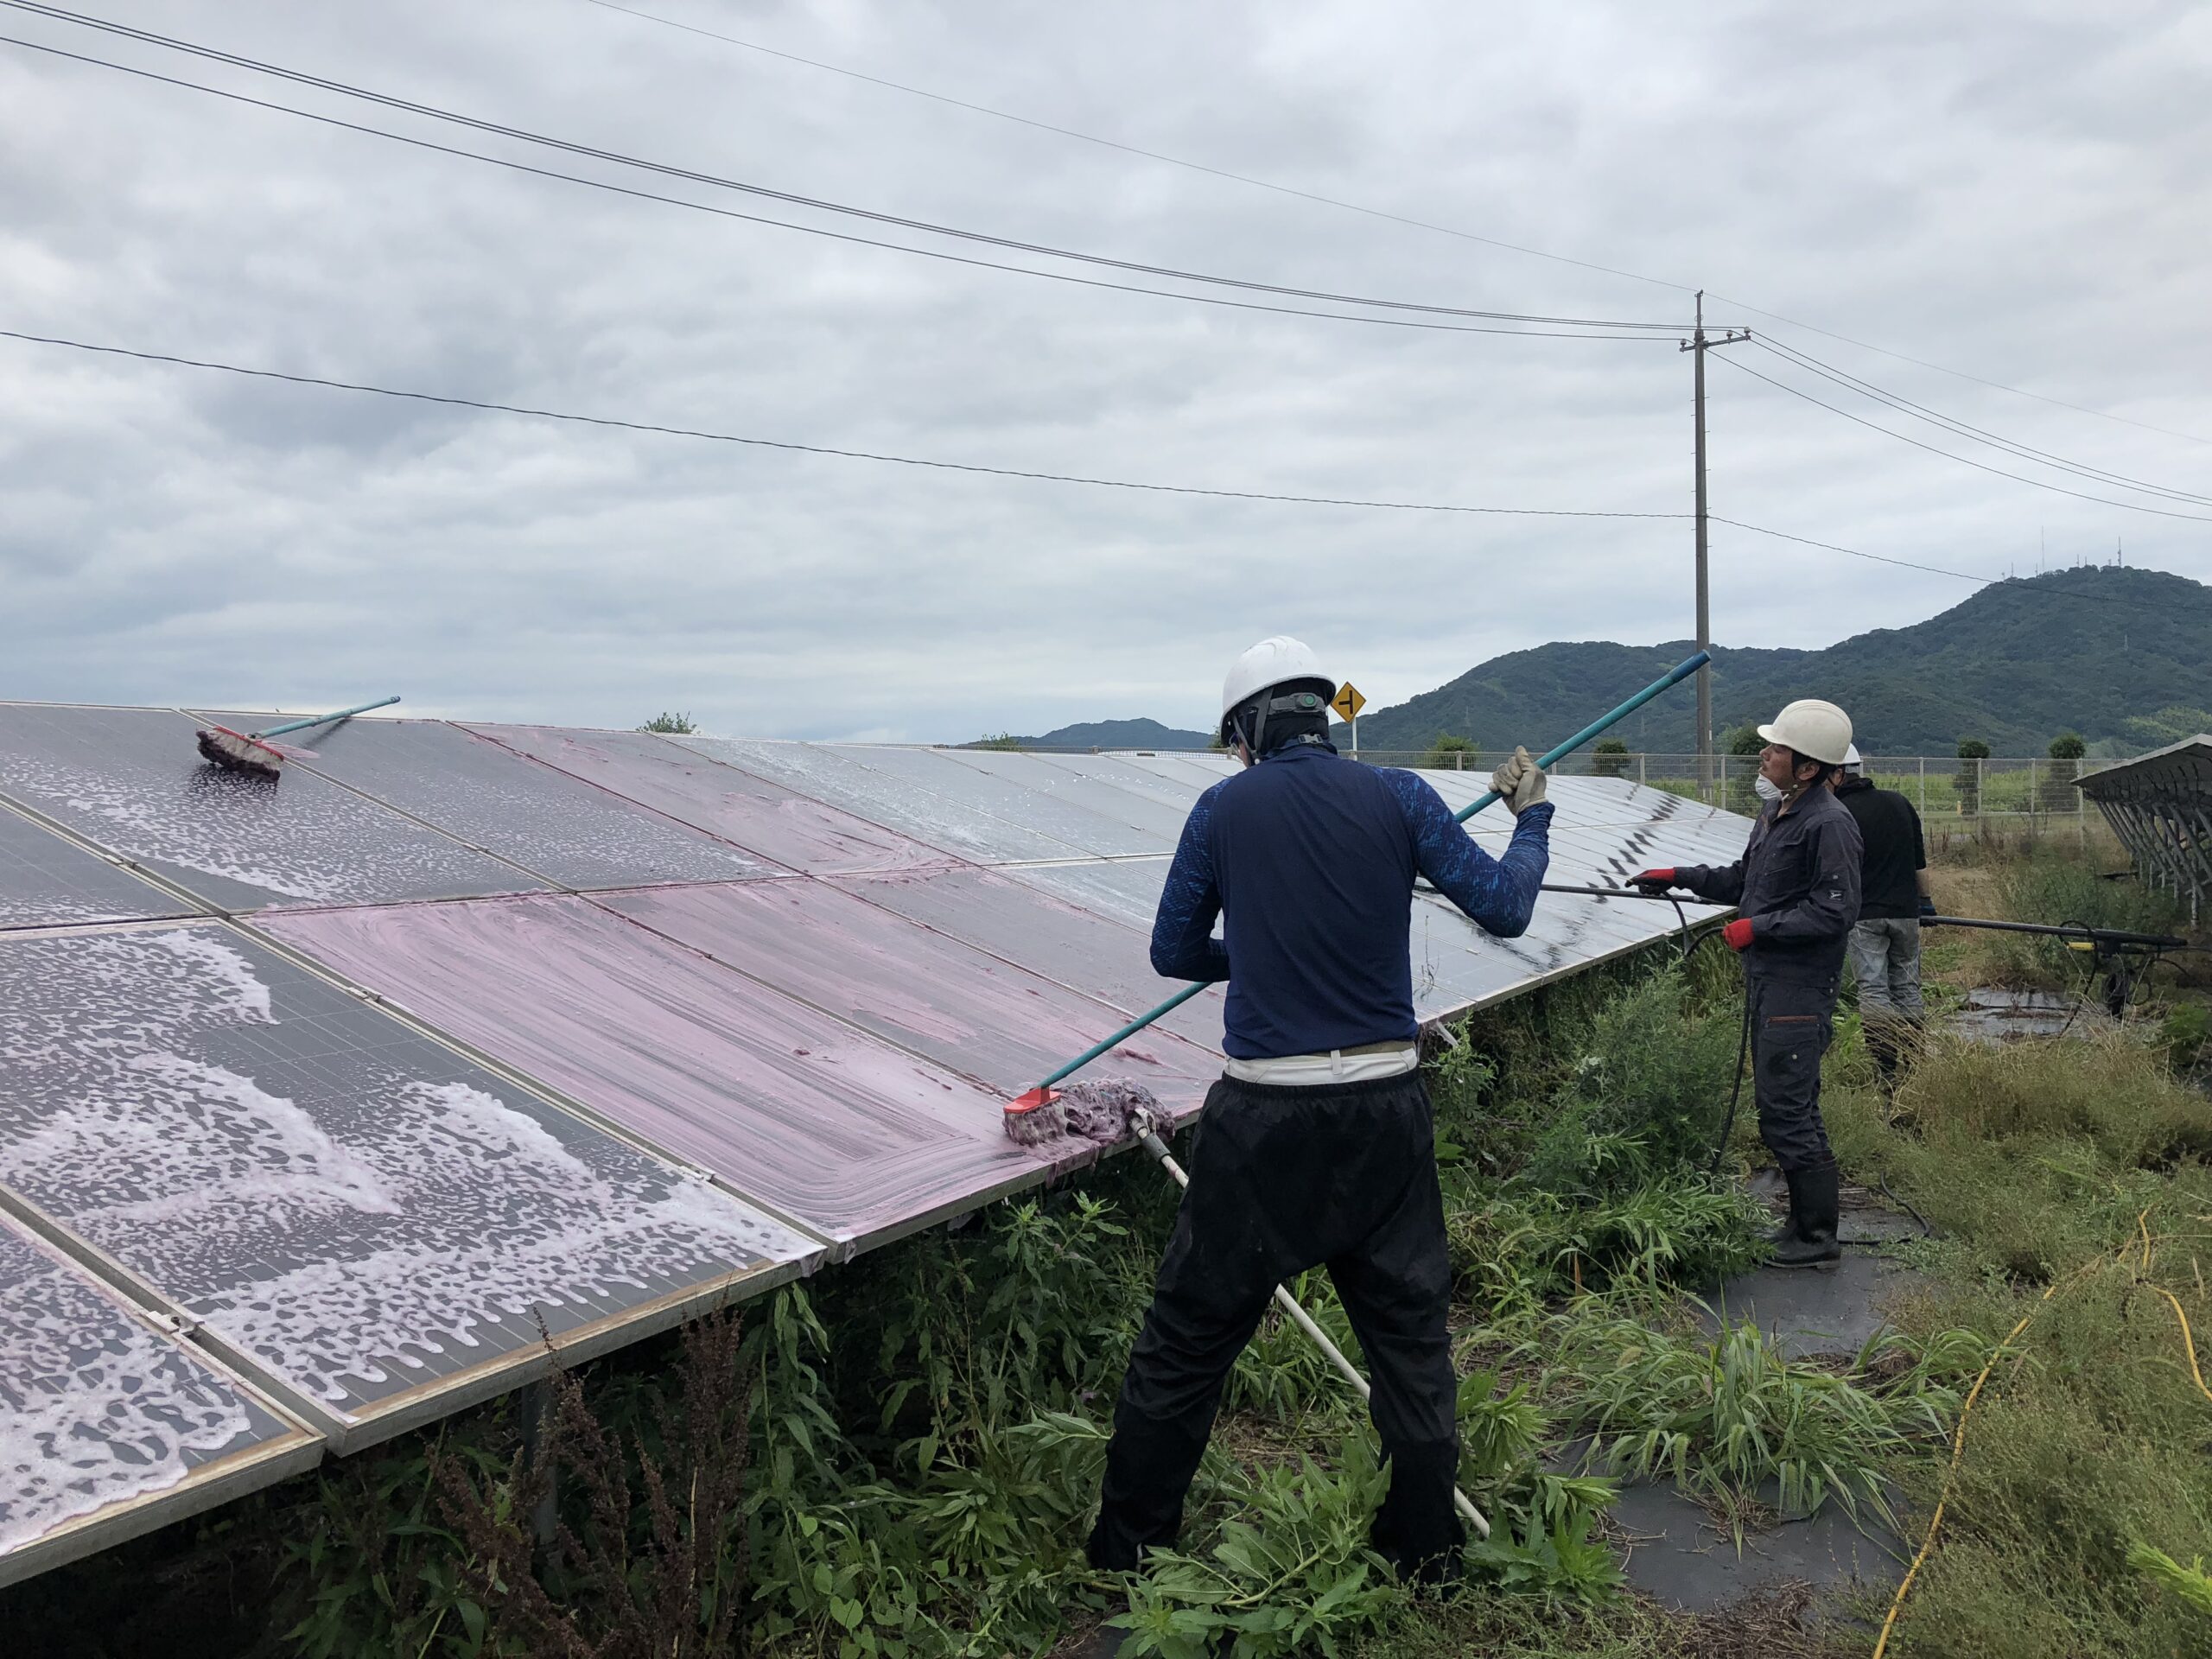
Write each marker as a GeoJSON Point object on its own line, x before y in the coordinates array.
{"type": "Point", "coordinates": [2005, 788]}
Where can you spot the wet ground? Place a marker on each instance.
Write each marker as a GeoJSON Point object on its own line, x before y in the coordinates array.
{"type": "Point", "coordinates": [1688, 1558]}
{"type": "Point", "coordinates": [1995, 1016]}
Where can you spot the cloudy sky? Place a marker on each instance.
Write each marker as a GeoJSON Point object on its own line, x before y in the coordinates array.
{"type": "Point", "coordinates": [2015, 190]}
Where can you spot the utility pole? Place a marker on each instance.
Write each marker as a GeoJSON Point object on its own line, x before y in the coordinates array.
{"type": "Point", "coordinates": [1697, 346]}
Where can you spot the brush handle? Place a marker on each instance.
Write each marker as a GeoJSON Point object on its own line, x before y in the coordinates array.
{"type": "Point", "coordinates": [325, 720]}
{"type": "Point", "coordinates": [1304, 1321]}
{"type": "Point", "coordinates": [1674, 676]}
{"type": "Point", "coordinates": [1129, 1030]}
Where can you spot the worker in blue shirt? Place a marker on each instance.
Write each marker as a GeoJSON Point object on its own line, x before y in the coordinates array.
{"type": "Point", "coordinates": [1316, 1147]}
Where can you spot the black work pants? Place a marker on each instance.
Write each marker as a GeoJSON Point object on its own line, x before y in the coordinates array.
{"type": "Point", "coordinates": [1283, 1179]}
{"type": "Point", "coordinates": [1791, 1024]}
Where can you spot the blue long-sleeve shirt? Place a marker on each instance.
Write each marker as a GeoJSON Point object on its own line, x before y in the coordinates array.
{"type": "Point", "coordinates": [1313, 857]}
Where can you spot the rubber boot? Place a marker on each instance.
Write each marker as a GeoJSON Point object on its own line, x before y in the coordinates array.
{"type": "Point", "coordinates": [1815, 1209]}
{"type": "Point", "coordinates": [1881, 1049]}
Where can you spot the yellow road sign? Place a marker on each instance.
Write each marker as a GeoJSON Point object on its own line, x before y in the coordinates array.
{"type": "Point", "coordinates": [1348, 702]}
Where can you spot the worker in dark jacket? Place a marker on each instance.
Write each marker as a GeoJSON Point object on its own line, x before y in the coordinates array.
{"type": "Point", "coordinates": [1885, 940]}
{"type": "Point", "coordinates": [1795, 891]}
{"type": "Point", "coordinates": [1316, 1146]}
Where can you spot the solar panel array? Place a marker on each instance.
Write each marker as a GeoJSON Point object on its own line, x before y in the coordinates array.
{"type": "Point", "coordinates": [327, 1105]}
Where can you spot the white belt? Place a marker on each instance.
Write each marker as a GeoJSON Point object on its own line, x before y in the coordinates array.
{"type": "Point", "coordinates": [1338, 1065]}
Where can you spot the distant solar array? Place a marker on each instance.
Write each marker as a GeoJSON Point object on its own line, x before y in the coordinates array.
{"type": "Point", "coordinates": [325, 1106]}
{"type": "Point", "coordinates": [2160, 806]}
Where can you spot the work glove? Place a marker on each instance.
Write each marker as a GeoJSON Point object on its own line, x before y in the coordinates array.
{"type": "Point", "coordinates": [1519, 782]}
{"type": "Point", "coordinates": [1738, 932]}
{"type": "Point", "coordinates": [1926, 905]}
{"type": "Point", "coordinates": [1655, 881]}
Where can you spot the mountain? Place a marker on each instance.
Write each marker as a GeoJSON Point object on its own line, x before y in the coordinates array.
{"type": "Point", "coordinates": [2102, 650]}
{"type": "Point", "coordinates": [1118, 735]}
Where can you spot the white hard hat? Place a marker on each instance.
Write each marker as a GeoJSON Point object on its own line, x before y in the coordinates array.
{"type": "Point", "coordinates": [1819, 731]}
{"type": "Point", "coordinates": [1272, 662]}
{"type": "Point", "coordinates": [1851, 761]}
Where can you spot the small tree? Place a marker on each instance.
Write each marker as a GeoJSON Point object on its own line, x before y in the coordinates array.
{"type": "Point", "coordinates": [1002, 741]}
{"type": "Point", "coordinates": [2058, 792]}
{"type": "Point", "coordinates": [1736, 776]}
{"type": "Point", "coordinates": [1972, 753]}
{"type": "Point", "coordinates": [681, 724]}
{"type": "Point", "coordinates": [1610, 758]}
{"type": "Point", "coordinates": [1451, 754]}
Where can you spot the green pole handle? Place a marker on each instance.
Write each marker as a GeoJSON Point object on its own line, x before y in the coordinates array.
{"type": "Point", "coordinates": [1673, 678]}
{"type": "Point", "coordinates": [325, 720]}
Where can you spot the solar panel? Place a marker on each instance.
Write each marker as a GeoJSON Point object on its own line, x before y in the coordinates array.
{"type": "Point", "coordinates": [358, 1215]}
{"type": "Point", "coordinates": [837, 775]}
{"type": "Point", "coordinates": [131, 781]}
{"type": "Point", "coordinates": [1125, 889]}
{"type": "Point", "coordinates": [1156, 822]}
{"type": "Point", "coordinates": [763, 817]}
{"type": "Point", "coordinates": [1107, 959]}
{"type": "Point", "coordinates": [930, 994]}
{"type": "Point", "coordinates": [47, 881]}
{"type": "Point", "coordinates": [856, 1138]}
{"type": "Point", "coordinates": [108, 1426]}
{"type": "Point", "coordinates": [1176, 793]}
{"type": "Point", "coordinates": [996, 793]}
{"type": "Point", "coordinates": [529, 815]}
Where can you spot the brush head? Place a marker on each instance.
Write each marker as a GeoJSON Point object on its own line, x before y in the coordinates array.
{"type": "Point", "coordinates": [1035, 1117]}
{"type": "Point", "coordinates": [240, 752]}
{"type": "Point", "coordinates": [1102, 1112]}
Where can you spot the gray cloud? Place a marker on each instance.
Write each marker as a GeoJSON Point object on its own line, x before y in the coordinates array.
{"type": "Point", "coordinates": [2013, 193]}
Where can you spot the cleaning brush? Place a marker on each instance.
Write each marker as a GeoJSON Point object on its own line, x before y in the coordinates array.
{"type": "Point", "coordinates": [254, 753]}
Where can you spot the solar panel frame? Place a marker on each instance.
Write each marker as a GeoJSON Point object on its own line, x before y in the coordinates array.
{"type": "Point", "coordinates": [720, 1072]}
{"type": "Point", "coordinates": [130, 781]}
{"type": "Point", "coordinates": [828, 773]}
{"type": "Point", "coordinates": [146, 1385]}
{"type": "Point", "coordinates": [909, 985]}
{"type": "Point", "coordinates": [570, 1204]}
{"type": "Point", "coordinates": [485, 795]}
{"type": "Point", "coordinates": [48, 879]}
{"type": "Point", "coordinates": [747, 810]}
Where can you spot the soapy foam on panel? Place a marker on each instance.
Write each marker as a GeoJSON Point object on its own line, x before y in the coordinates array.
{"type": "Point", "coordinates": [303, 839]}
{"type": "Point", "coordinates": [94, 1407]}
{"type": "Point", "coordinates": [342, 1198]}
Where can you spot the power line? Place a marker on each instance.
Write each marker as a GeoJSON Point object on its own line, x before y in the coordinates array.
{"type": "Point", "coordinates": [1963, 428]}
{"type": "Point", "coordinates": [657, 429]}
{"type": "Point", "coordinates": [2018, 478]}
{"type": "Point", "coordinates": [820, 204]}
{"type": "Point", "coordinates": [1932, 570]}
{"type": "Point", "coordinates": [637, 194]}
{"type": "Point", "coordinates": [1148, 154]}
{"type": "Point", "coordinates": [660, 430]}
{"type": "Point", "coordinates": [1383, 213]}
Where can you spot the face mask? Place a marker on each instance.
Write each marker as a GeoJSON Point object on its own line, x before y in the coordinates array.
{"type": "Point", "coordinates": [1767, 791]}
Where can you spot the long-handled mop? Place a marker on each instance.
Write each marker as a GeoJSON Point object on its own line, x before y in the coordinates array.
{"type": "Point", "coordinates": [253, 752]}
{"type": "Point", "coordinates": [1041, 1112]}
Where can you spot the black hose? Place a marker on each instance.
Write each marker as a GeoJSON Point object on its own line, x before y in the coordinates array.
{"type": "Point", "coordinates": [1736, 1089]}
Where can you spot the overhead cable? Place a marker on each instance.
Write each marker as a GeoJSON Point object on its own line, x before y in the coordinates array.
{"type": "Point", "coordinates": [820, 204]}
{"type": "Point", "coordinates": [1963, 460]}
{"type": "Point", "coordinates": [1381, 213]}
{"type": "Point", "coordinates": [1964, 429]}
{"type": "Point", "coordinates": [634, 193]}
{"type": "Point", "coordinates": [1932, 570]}
{"type": "Point", "coordinates": [664, 431]}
